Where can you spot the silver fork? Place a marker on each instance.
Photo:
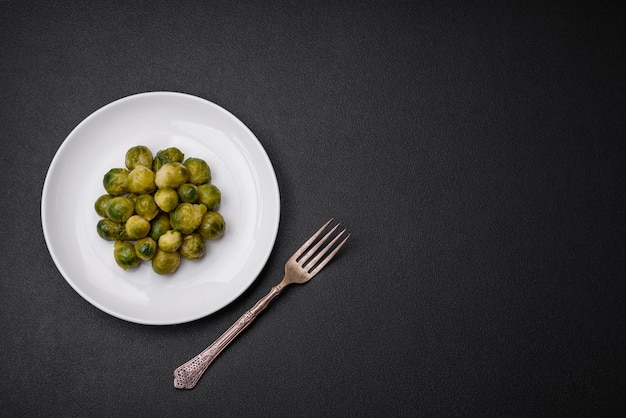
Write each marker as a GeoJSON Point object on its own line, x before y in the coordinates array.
{"type": "Point", "coordinates": [305, 263]}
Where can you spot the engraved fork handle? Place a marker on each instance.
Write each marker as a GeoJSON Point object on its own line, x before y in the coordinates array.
{"type": "Point", "coordinates": [187, 375]}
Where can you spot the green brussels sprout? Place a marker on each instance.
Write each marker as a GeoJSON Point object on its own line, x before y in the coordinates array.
{"type": "Point", "coordinates": [188, 193]}
{"type": "Point", "coordinates": [164, 262]}
{"type": "Point", "coordinates": [101, 205]}
{"type": "Point", "coordinates": [210, 196]}
{"type": "Point", "coordinates": [146, 206]}
{"type": "Point", "coordinates": [212, 226]}
{"type": "Point", "coordinates": [145, 248]}
{"type": "Point", "coordinates": [186, 217]}
{"type": "Point", "coordinates": [115, 181]}
{"type": "Point", "coordinates": [124, 254]}
{"type": "Point", "coordinates": [138, 155]}
{"type": "Point", "coordinates": [172, 175]}
{"type": "Point", "coordinates": [199, 171]}
{"type": "Point", "coordinates": [202, 209]}
{"type": "Point", "coordinates": [193, 247]}
{"type": "Point", "coordinates": [137, 227]}
{"type": "Point", "coordinates": [170, 241]}
{"type": "Point", "coordinates": [119, 209]}
{"type": "Point", "coordinates": [169, 155]}
{"type": "Point", "coordinates": [159, 226]}
{"type": "Point", "coordinates": [132, 197]}
{"type": "Point", "coordinates": [166, 199]}
{"type": "Point", "coordinates": [141, 180]}
{"type": "Point", "coordinates": [111, 231]}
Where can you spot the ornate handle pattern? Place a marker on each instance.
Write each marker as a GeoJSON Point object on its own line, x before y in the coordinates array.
{"type": "Point", "coordinates": [187, 375]}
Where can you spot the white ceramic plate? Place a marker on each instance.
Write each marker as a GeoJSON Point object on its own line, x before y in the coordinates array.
{"type": "Point", "coordinates": [240, 168]}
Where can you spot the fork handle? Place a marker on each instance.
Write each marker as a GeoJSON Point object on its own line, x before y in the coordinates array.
{"type": "Point", "coordinates": [187, 375]}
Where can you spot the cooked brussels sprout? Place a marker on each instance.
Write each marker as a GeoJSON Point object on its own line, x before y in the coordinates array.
{"type": "Point", "coordinates": [186, 217]}
{"type": "Point", "coordinates": [170, 241]}
{"type": "Point", "coordinates": [111, 231]}
{"type": "Point", "coordinates": [101, 205]}
{"type": "Point", "coordinates": [164, 262]}
{"type": "Point", "coordinates": [212, 226]}
{"type": "Point", "coordinates": [115, 181]}
{"type": "Point", "coordinates": [138, 155]}
{"type": "Point", "coordinates": [141, 180]}
{"type": "Point", "coordinates": [132, 197]}
{"type": "Point", "coordinates": [193, 247]}
{"type": "Point", "coordinates": [210, 196]}
{"type": "Point", "coordinates": [169, 155]}
{"type": "Point", "coordinates": [137, 227]}
{"type": "Point", "coordinates": [145, 248]}
{"type": "Point", "coordinates": [166, 199]}
{"type": "Point", "coordinates": [146, 206]}
{"type": "Point", "coordinates": [188, 193]}
{"type": "Point", "coordinates": [159, 226]}
{"type": "Point", "coordinates": [124, 254]}
{"type": "Point", "coordinates": [171, 175]}
{"type": "Point", "coordinates": [199, 171]}
{"type": "Point", "coordinates": [119, 209]}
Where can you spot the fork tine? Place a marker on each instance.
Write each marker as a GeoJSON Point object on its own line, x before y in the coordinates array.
{"type": "Point", "coordinates": [306, 245]}
{"type": "Point", "coordinates": [305, 258]}
{"type": "Point", "coordinates": [310, 263]}
{"type": "Point", "coordinates": [331, 255]}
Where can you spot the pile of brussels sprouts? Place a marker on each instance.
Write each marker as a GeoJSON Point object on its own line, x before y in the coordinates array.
{"type": "Point", "coordinates": [159, 209]}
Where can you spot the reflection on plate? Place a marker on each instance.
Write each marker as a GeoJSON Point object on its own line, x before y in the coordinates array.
{"type": "Point", "coordinates": [240, 168]}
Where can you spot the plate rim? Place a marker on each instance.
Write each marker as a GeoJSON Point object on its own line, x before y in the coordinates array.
{"type": "Point", "coordinates": [191, 317]}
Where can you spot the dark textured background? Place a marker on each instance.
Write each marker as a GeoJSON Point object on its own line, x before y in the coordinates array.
{"type": "Point", "coordinates": [474, 149]}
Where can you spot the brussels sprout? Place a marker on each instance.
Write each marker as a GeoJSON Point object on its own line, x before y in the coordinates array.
{"type": "Point", "coordinates": [141, 180]}
{"type": "Point", "coordinates": [159, 226]}
{"type": "Point", "coordinates": [169, 155]}
{"type": "Point", "coordinates": [146, 206]}
{"type": "Point", "coordinates": [188, 193]}
{"type": "Point", "coordinates": [137, 227]}
{"type": "Point", "coordinates": [210, 196]}
{"type": "Point", "coordinates": [101, 205]}
{"type": "Point", "coordinates": [186, 217]}
{"type": "Point", "coordinates": [199, 171]}
{"type": "Point", "coordinates": [115, 181]}
{"type": "Point", "coordinates": [124, 254]}
{"type": "Point", "coordinates": [170, 241]}
{"type": "Point", "coordinates": [145, 248]}
{"type": "Point", "coordinates": [171, 175]}
{"type": "Point", "coordinates": [132, 197]}
{"type": "Point", "coordinates": [212, 226]}
{"type": "Point", "coordinates": [166, 199]}
{"type": "Point", "coordinates": [138, 155]}
{"type": "Point", "coordinates": [111, 231]}
{"type": "Point", "coordinates": [193, 247]}
{"type": "Point", "coordinates": [164, 262]}
{"type": "Point", "coordinates": [119, 209]}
